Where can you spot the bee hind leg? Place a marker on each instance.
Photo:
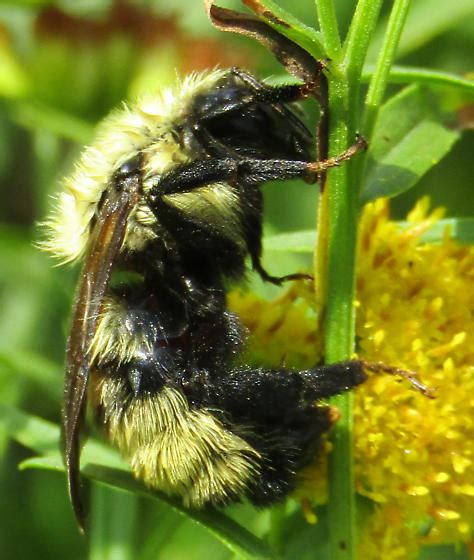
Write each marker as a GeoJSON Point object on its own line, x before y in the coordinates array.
{"type": "Point", "coordinates": [275, 412]}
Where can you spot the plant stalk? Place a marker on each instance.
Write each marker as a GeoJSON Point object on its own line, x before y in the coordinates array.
{"type": "Point", "coordinates": [342, 203]}
{"type": "Point", "coordinates": [378, 83]}
{"type": "Point", "coordinates": [329, 27]}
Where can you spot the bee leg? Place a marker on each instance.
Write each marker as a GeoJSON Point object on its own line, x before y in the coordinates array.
{"type": "Point", "coordinates": [257, 171]}
{"type": "Point", "coordinates": [261, 387]}
{"type": "Point", "coordinates": [246, 173]}
{"type": "Point", "coordinates": [277, 280]}
{"type": "Point", "coordinates": [265, 93]}
{"type": "Point", "coordinates": [275, 412]}
{"type": "Point", "coordinates": [259, 93]}
{"type": "Point", "coordinates": [247, 79]}
{"type": "Point", "coordinates": [252, 171]}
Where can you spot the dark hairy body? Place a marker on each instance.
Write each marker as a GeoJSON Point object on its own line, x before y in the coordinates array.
{"type": "Point", "coordinates": [163, 305]}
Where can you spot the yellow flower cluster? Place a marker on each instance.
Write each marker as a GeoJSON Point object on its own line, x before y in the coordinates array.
{"type": "Point", "coordinates": [414, 456]}
{"type": "Point", "coordinates": [283, 330]}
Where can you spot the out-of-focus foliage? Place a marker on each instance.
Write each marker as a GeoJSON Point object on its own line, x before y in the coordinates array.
{"type": "Point", "coordinates": [64, 65]}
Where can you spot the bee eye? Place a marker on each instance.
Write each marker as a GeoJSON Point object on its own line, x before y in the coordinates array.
{"type": "Point", "coordinates": [130, 167]}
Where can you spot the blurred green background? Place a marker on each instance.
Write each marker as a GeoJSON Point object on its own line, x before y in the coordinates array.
{"type": "Point", "coordinates": [63, 66]}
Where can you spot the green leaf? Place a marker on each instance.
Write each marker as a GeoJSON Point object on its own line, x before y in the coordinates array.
{"type": "Point", "coordinates": [427, 19]}
{"type": "Point", "coordinates": [43, 437]}
{"type": "Point", "coordinates": [32, 432]}
{"type": "Point", "coordinates": [423, 147]}
{"type": "Point", "coordinates": [294, 242]}
{"type": "Point", "coordinates": [409, 138]}
{"type": "Point", "coordinates": [292, 27]}
{"type": "Point", "coordinates": [304, 541]}
{"type": "Point", "coordinates": [40, 116]}
{"type": "Point", "coordinates": [233, 536]}
{"type": "Point", "coordinates": [33, 367]}
{"type": "Point", "coordinates": [398, 116]}
{"type": "Point", "coordinates": [444, 552]}
{"type": "Point", "coordinates": [409, 74]}
{"type": "Point", "coordinates": [459, 229]}
{"type": "Point", "coordinates": [50, 463]}
{"type": "Point", "coordinates": [113, 524]}
{"type": "Point", "coordinates": [163, 533]}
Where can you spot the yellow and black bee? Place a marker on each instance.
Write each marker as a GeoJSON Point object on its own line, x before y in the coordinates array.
{"type": "Point", "coordinates": [164, 208]}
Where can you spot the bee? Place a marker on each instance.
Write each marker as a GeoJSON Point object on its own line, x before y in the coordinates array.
{"type": "Point", "coordinates": [165, 208]}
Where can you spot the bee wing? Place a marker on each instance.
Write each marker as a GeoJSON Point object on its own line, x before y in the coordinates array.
{"type": "Point", "coordinates": [106, 241]}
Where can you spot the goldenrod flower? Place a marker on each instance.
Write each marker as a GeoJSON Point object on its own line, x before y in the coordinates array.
{"type": "Point", "coordinates": [414, 457]}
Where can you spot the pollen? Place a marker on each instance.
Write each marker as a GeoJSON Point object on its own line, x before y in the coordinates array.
{"type": "Point", "coordinates": [417, 491]}
{"type": "Point", "coordinates": [379, 337]}
{"type": "Point", "coordinates": [441, 477]}
{"type": "Point", "coordinates": [447, 514]}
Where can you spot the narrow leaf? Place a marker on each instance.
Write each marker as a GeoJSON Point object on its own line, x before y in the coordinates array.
{"type": "Point", "coordinates": [409, 74]}
{"type": "Point", "coordinates": [237, 539]}
{"type": "Point", "coordinates": [43, 437]}
{"type": "Point", "coordinates": [33, 367]}
{"type": "Point", "coordinates": [401, 168]}
{"type": "Point", "coordinates": [294, 242]}
{"type": "Point", "coordinates": [113, 524]}
{"type": "Point", "coordinates": [287, 24]}
{"type": "Point", "coordinates": [37, 116]}
{"type": "Point", "coordinates": [408, 139]}
{"type": "Point", "coordinates": [398, 116]}
{"type": "Point", "coordinates": [459, 229]}
{"type": "Point", "coordinates": [34, 433]}
{"type": "Point", "coordinates": [427, 19]}
{"type": "Point", "coordinates": [49, 463]}
{"type": "Point", "coordinates": [233, 536]}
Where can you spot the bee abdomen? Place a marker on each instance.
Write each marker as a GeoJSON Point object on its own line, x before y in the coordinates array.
{"type": "Point", "coordinates": [175, 448]}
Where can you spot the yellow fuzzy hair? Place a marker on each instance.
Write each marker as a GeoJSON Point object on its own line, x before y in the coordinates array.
{"type": "Point", "coordinates": [113, 340]}
{"type": "Point", "coordinates": [177, 449]}
{"type": "Point", "coordinates": [144, 126]}
{"type": "Point", "coordinates": [216, 205]}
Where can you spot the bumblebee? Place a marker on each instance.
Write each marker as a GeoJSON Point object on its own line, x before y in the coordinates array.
{"type": "Point", "coordinates": [165, 208]}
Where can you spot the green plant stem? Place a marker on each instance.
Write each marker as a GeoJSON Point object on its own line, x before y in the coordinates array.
{"type": "Point", "coordinates": [340, 203]}
{"type": "Point", "coordinates": [356, 46]}
{"type": "Point", "coordinates": [329, 28]}
{"type": "Point", "coordinates": [342, 225]}
{"type": "Point", "coordinates": [342, 212]}
{"type": "Point", "coordinates": [335, 266]}
{"type": "Point", "coordinates": [384, 62]}
{"type": "Point", "coordinates": [339, 325]}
